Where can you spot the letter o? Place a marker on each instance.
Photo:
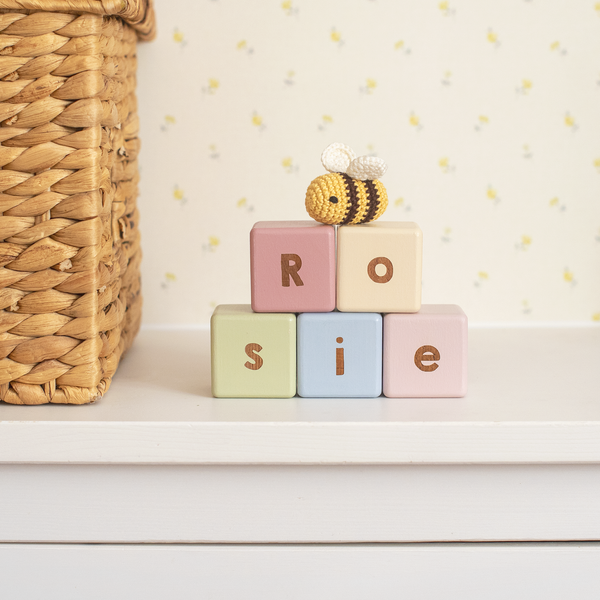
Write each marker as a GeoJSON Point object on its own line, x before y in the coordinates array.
{"type": "Point", "coordinates": [389, 269]}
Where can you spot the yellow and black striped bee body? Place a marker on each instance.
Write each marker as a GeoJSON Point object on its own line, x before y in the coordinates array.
{"type": "Point", "coordinates": [338, 199]}
{"type": "Point", "coordinates": [351, 193]}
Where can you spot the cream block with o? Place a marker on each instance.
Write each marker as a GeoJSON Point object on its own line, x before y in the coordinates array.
{"type": "Point", "coordinates": [379, 267]}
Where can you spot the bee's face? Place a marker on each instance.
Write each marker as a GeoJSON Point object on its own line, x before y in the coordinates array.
{"type": "Point", "coordinates": [337, 199]}
{"type": "Point", "coordinates": [327, 199]}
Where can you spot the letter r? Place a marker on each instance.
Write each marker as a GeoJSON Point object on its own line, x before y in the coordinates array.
{"type": "Point", "coordinates": [290, 265]}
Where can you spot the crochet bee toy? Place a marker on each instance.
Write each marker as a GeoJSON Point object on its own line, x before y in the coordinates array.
{"type": "Point", "coordinates": [351, 192]}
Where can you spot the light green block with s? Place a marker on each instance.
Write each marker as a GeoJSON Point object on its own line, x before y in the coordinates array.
{"type": "Point", "coordinates": [253, 355]}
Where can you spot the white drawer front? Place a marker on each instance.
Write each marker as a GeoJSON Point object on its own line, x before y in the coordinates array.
{"type": "Point", "coordinates": [353, 572]}
{"type": "Point", "coordinates": [262, 504]}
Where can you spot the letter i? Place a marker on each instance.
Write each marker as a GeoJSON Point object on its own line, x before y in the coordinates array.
{"type": "Point", "coordinates": [339, 358]}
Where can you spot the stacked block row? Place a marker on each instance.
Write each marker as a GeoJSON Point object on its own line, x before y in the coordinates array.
{"type": "Point", "coordinates": [380, 338]}
{"type": "Point", "coordinates": [293, 267]}
{"type": "Point", "coordinates": [275, 355]}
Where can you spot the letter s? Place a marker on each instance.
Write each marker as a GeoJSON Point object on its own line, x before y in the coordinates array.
{"type": "Point", "coordinates": [251, 351]}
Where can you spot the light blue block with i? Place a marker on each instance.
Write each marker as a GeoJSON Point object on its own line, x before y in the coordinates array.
{"type": "Point", "coordinates": [339, 355]}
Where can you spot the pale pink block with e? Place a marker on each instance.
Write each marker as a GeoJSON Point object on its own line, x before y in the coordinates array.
{"type": "Point", "coordinates": [425, 353]}
{"type": "Point", "coordinates": [292, 266]}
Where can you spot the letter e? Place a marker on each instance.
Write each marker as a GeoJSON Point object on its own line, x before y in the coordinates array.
{"type": "Point", "coordinates": [427, 354]}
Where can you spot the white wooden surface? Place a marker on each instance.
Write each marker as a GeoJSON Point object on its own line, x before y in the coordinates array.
{"type": "Point", "coordinates": [355, 572]}
{"type": "Point", "coordinates": [534, 397]}
{"type": "Point", "coordinates": [158, 460]}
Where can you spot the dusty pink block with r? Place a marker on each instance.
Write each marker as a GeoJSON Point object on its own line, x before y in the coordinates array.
{"type": "Point", "coordinates": [425, 353]}
{"type": "Point", "coordinates": [292, 266]}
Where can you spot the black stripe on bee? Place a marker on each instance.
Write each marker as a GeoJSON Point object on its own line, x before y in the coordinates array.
{"type": "Point", "coordinates": [352, 196]}
{"type": "Point", "coordinates": [372, 200]}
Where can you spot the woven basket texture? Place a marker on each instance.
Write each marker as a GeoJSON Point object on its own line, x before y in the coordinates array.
{"type": "Point", "coordinates": [70, 301]}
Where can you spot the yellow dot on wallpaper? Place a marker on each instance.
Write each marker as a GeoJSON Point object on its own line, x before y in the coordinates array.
{"type": "Point", "coordinates": [483, 275]}
{"type": "Point", "coordinates": [213, 241]}
{"type": "Point", "coordinates": [447, 230]}
{"type": "Point", "coordinates": [554, 202]}
{"type": "Point", "coordinates": [291, 73]}
{"type": "Point", "coordinates": [527, 84]}
{"type": "Point", "coordinates": [170, 119]}
{"type": "Point", "coordinates": [597, 163]}
{"type": "Point", "coordinates": [257, 120]}
{"type": "Point", "coordinates": [286, 163]}
{"type": "Point", "coordinates": [327, 119]}
{"type": "Point", "coordinates": [596, 316]}
{"type": "Point", "coordinates": [443, 162]}
{"type": "Point", "coordinates": [170, 277]}
{"type": "Point", "coordinates": [213, 83]}
{"type": "Point", "coordinates": [241, 44]}
{"type": "Point", "coordinates": [526, 240]}
{"type": "Point", "coordinates": [336, 36]}
{"type": "Point", "coordinates": [569, 120]}
{"type": "Point", "coordinates": [178, 36]}
{"type": "Point", "coordinates": [399, 202]}
{"type": "Point", "coordinates": [568, 276]}
{"type": "Point", "coordinates": [178, 193]}
{"type": "Point", "coordinates": [399, 44]}
{"type": "Point", "coordinates": [492, 37]}
{"type": "Point", "coordinates": [287, 5]}
{"type": "Point", "coordinates": [597, 6]}
{"type": "Point", "coordinates": [554, 45]}
{"type": "Point", "coordinates": [443, 6]}
{"type": "Point", "coordinates": [241, 202]}
{"type": "Point", "coordinates": [414, 120]}
{"type": "Point", "coordinates": [371, 84]}
{"type": "Point", "coordinates": [491, 193]}
{"type": "Point", "coordinates": [483, 119]}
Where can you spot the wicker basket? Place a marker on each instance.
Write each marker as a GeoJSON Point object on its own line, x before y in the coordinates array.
{"type": "Point", "coordinates": [70, 301]}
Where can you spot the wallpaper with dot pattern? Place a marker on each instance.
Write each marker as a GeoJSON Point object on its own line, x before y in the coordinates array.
{"type": "Point", "coordinates": [487, 113]}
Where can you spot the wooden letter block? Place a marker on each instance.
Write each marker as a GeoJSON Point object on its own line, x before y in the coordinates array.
{"type": "Point", "coordinates": [339, 355]}
{"type": "Point", "coordinates": [292, 266]}
{"type": "Point", "coordinates": [379, 267]}
{"type": "Point", "coordinates": [253, 355]}
{"type": "Point", "coordinates": [425, 353]}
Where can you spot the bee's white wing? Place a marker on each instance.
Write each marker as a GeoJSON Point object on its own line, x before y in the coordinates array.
{"type": "Point", "coordinates": [366, 167]}
{"type": "Point", "coordinates": [337, 157]}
